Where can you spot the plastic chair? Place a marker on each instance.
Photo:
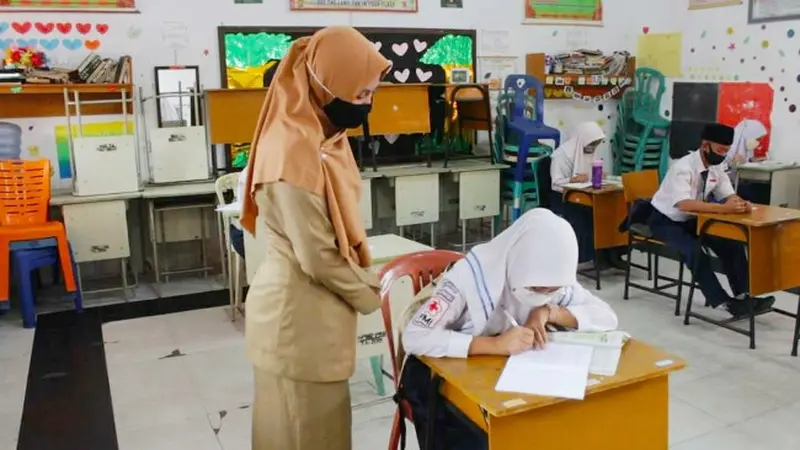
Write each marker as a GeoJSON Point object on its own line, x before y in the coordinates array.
{"type": "Point", "coordinates": [24, 204]}
{"type": "Point", "coordinates": [223, 185]}
{"type": "Point", "coordinates": [529, 131]}
{"type": "Point", "coordinates": [26, 262]}
{"type": "Point", "coordinates": [422, 267]}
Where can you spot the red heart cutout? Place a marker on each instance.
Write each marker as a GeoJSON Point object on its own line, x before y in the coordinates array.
{"type": "Point", "coordinates": [45, 28]}
{"type": "Point", "coordinates": [645, 30]}
{"type": "Point", "coordinates": [83, 28]}
{"type": "Point", "coordinates": [92, 45]}
{"type": "Point", "coordinates": [21, 27]}
{"type": "Point", "coordinates": [101, 28]}
{"type": "Point", "coordinates": [64, 27]}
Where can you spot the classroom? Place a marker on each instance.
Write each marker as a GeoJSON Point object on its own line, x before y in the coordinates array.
{"type": "Point", "coordinates": [563, 224]}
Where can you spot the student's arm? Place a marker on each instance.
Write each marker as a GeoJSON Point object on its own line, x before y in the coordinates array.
{"type": "Point", "coordinates": [560, 170]}
{"type": "Point", "coordinates": [581, 310]}
{"type": "Point", "coordinates": [304, 221]}
{"type": "Point", "coordinates": [683, 196]}
{"type": "Point", "coordinates": [430, 332]}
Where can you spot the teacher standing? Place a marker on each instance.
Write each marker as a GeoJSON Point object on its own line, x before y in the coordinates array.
{"type": "Point", "coordinates": [304, 184]}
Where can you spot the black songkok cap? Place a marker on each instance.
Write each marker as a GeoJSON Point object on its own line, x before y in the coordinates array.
{"type": "Point", "coordinates": [718, 134]}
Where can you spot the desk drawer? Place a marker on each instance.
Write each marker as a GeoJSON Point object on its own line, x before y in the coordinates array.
{"type": "Point", "coordinates": [417, 199]}
{"type": "Point", "coordinates": [479, 194]}
{"type": "Point", "coordinates": [97, 231]}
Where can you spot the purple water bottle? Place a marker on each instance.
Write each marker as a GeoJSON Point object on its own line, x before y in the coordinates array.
{"type": "Point", "coordinates": [597, 173]}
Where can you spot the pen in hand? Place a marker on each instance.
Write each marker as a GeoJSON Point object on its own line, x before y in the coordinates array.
{"type": "Point", "coordinates": [510, 318]}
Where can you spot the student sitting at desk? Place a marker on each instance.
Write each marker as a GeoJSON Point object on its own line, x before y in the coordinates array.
{"type": "Point", "coordinates": [525, 275]}
{"type": "Point", "coordinates": [697, 183]}
{"type": "Point", "coordinates": [572, 163]}
{"type": "Point", "coordinates": [746, 138]}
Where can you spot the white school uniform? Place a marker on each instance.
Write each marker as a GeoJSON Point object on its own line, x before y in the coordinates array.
{"type": "Point", "coordinates": [569, 158]}
{"type": "Point", "coordinates": [684, 181]}
{"type": "Point", "coordinates": [539, 249]}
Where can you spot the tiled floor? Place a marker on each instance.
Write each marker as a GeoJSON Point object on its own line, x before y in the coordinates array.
{"type": "Point", "coordinates": [182, 381]}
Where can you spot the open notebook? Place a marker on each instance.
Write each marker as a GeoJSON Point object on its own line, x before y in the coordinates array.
{"type": "Point", "coordinates": [558, 370]}
{"type": "Point", "coordinates": [607, 348]}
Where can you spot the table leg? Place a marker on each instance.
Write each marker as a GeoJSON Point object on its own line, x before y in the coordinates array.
{"type": "Point", "coordinates": [463, 236]}
{"type": "Point", "coordinates": [433, 235]}
{"type": "Point", "coordinates": [160, 217]}
{"type": "Point", "coordinates": [376, 362]}
{"type": "Point", "coordinates": [124, 268]}
{"type": "Point", "coordinates": [221, 223]}
{"type": "Point", "coordinates": [796, 327]}
{"type": "Point", "coordinates": [151, 215]}
{"type": "Point", "coordinates": [203, 253]}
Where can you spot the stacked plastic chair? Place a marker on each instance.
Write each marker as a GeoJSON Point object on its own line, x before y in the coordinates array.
{"type": "Point", "coordinates": [641, 139]}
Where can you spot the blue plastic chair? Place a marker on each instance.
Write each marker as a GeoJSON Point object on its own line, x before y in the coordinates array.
{"type": "Point", "coordinates": [27, 257]}
{"type": "Point", "coordinates": [530, 131]}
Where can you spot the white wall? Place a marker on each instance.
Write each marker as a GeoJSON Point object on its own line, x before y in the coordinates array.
{"type": "Point", "coordinates": [711, 32]}
{"type": "Point", "coordinates": [183, 22]}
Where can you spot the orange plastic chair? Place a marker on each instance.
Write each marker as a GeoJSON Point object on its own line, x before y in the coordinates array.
{"type": "Point", "coordinates": [24, 205]}
{"type": "Point", "coordinates": [423, 267]}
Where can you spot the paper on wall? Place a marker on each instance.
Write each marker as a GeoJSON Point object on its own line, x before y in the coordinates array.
{"type": "Point", "coordinates": [175, 35]}
{"type": "Point", "coordinates": [662, 52]}
{"type": "Point", "coordinates": [495, 43]}
{"type": "Point", "coordinates": [494, 70]}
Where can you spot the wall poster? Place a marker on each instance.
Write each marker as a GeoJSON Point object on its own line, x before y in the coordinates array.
{"type": "Point", "coordinates": [408, 6]}
{"type": "Point", "coordinates": [575, 12]}
{"type": "Point", "coordinates": [761, 11]}
{"type": "Point", "coordinates": [706, 4]}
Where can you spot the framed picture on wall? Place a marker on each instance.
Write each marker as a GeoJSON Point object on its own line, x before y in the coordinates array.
{"type": "Point", "coordinates": [407, 6]}
{"type": "Point", "coordinates": [706, 4]}
{"type": "Point", "coordinates": [563, 12]}
{"type": "Point", "coordinates": [68, 5]}
{"type": "Point", "coordinates": [761, 11]}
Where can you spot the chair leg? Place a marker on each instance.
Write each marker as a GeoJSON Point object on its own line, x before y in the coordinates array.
{"type": "Point", "coordinates": [689, 301]}
{"type": "Point", "coordinates": [679, 298]}
{"type": "Point", "coordinates": [65, 257]}
{"type": "Point", "coordinates": [237, 283]}
{"type": "Point", "coordinates": [796, 335]}
{"type": "Point", "coordinates": [78, 300]}
{"type": "Point", "coordinates": [655, 272]}
{"type": "Point", "coordinates": [597, 271]}
{"type": "Point", "coordinates": [394, 436]}
{"type": "Point", "coordinates": [649, 266]}
{"type": "Point", "coordinates": [628, 271]}
{"type": "Point", "coordinates": [377, 374]}
{"type": "Point", "coordinates": [5, 265]}
{"type": "Point", "coordinates": [26, 295]}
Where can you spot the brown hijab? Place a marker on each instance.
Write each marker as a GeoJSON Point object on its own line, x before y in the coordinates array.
{"type": "Point", "coordinates": [290, 144]}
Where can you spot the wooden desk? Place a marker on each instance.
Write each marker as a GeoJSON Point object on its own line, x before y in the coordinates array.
{"type": "Point", "coordinates": [47, 100]}
{"type": "Point", "coordinates": [608, 211]}
{"type": "Point", "coordinates": [626, 411]}
{"type": "Point", "coordinates": [772, 237]}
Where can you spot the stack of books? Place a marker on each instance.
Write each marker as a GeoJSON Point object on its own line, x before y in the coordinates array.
{"type": "Point", "coordinates": [96, 70]}
{"type": "Point", "coordinates": [12, 76]}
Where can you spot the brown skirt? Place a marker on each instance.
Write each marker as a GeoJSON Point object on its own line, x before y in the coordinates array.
{"type": "Point", "coordinates": [299, 415]}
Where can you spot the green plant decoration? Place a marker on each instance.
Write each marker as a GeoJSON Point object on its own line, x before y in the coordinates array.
{"type": "Point", "coordinates": [244, 51]}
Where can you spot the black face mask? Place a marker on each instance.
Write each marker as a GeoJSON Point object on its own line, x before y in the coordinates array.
{"type": "Point", "coordinates": [346, 115]}
{"type": "Point", "coordinates": [712, 158]}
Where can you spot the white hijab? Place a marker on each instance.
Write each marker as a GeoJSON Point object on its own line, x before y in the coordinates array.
{"type": "Point", "coordinates": [746, 131]}
{"type": "Point", "coordinates": [572, 149]}
{"type": "Point", "coordinates": [538, 250]}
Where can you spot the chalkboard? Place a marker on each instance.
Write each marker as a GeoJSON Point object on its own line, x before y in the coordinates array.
{"type": "Point", "coordinates": [695, 101]}
{"type": "Point", "coordinates": [417, 55]}
{"type": "Point", "coordinates": [685, 137]}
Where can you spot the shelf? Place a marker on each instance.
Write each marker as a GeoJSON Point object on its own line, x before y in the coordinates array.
{"type": "Point", "coordinates": [591, 85]}
{"type": "Point", "coordinates": [47, 100]}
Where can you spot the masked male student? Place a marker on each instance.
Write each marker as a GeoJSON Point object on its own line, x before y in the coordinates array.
{"type": "Point", "coordinates": [525, 275]}
{"type": "Point", "coordinates": [698, 183]}
{"type": "Point", "coordinates": [572, 163]}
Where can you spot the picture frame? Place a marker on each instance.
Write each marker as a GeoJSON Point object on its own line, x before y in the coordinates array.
{"type": "Point", "coordinates": [460, 76]}
{"type": "Point", "coordinates": [75, 6]}
{"type": "Point", "coordinates": [755, 15]}
{"type": "Point", "coordinates": [398, 6]}
{"type": "Point", "coordinates": [563, 12]}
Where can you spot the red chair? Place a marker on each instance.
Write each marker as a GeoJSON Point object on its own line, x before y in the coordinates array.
{"type": "Point", "coordinates": [423, 268]}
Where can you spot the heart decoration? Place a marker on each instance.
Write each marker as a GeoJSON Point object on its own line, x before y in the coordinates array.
{"type": "Point", "coordinates": [21, 27]}
{"type": "Point", "coordinates": [4, 26]}
{"type": "Point", "coordinates": [27, 42]}
{"type": "Point", "coordinates": [520, 83]}
{"type": "Point", "coordinates": [83, 28]}
{"type": "Point", "coordinates": [391, 138]}
{"type": "Point", "coordinates": [64, 27]}
{"type": "Point", "coordinates": [101, 28]}
{"type": "Point", "coordinates": [400, 49]}
{"type": "Point", "coordinates": [49, 44]}
{"type": "Point", "coordinates": [420, 46]}
{"type": "Point", "coordinates": [377, 45]}
{"type": "Point", "coordinates": [645, 30]}
{"type": "Point", "coordinates": [205, 52]}
{"type": "Point", "coordinates": [72, 44]}
{"type": "Point", "coordinates": [402, 75]}
{"type": "Point", "coordinates": [92, 45]}
{"type": "Point", "coordinates": [45, 28]}
{"type": "Point", "coordinates": [5, 43]}
{"type": "Point", "coordinates": [424, 76]}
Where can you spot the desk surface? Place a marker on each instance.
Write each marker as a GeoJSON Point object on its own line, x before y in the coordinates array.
{"type": "Point", "coordinates": [179, 190]}
{"type": "Point", "coordinates": [386, 247]}
{"type": "Point", "coordinates": [476, 377]}
{"type": "Point", "coordinates": [406, 170]}
{"type": "Point", "coordinates": [761, 216]}
{"type": "Point", "coordinates": [606, 188]}
{"type": "Point", "coordinates": [67, 198]}
{"type": "Point", "coordinates": [768, 166]}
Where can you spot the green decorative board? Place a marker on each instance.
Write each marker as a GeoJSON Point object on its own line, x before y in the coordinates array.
{"type": "Point", "coordinates": [572, 10]}
{"type": "Point", "coordinates": [68, 4]}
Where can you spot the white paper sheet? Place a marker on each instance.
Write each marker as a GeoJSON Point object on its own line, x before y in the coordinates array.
{"type": "Point", "coordinates": [559, 370]}
{"type": "Point", "coordinates": [230, 207]}
{"type": "Point", "coordinates": [607, 348]}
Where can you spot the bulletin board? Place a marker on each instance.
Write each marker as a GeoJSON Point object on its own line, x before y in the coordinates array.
{"type": "Point", "coordinates": [564, 10]}
{"type": "Point", "coordinates": [696, 104]}
{"type": "Point", "coordinates": [417, 55]}
{"type": "Point", "coordinates": [68, 5]}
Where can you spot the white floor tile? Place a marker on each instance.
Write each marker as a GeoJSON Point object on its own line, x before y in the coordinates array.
{"type": "Point", "coordinates": [776, 430]}
{"type": "Point", "coordinates": [192, 433]}
{"type": "Point", "coordinates": [724, 439]}
{"type": "Point", "coordinates": [687, 422]}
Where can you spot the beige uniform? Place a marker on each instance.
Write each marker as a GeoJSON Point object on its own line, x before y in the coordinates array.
{"type": "Point", "coordinates": [301, 325]}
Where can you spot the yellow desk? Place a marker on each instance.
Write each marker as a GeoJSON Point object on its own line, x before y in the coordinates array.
{"type": "Point", "coordinates": [608, 211]}
{"type": "Point", "coordinates": [772, 237]}
{"type": "Point", "coordinates": [626, 411]}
